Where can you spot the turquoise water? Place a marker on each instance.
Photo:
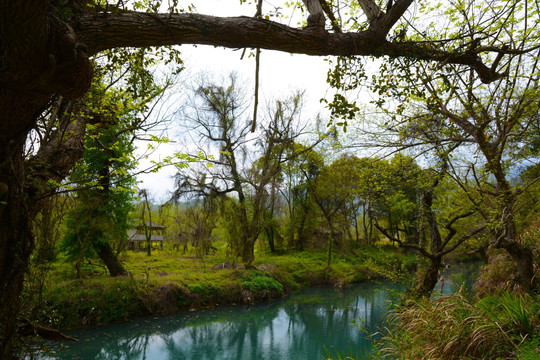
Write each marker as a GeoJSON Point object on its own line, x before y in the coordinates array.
{"type": "Point", "coordinates": [299, 327]}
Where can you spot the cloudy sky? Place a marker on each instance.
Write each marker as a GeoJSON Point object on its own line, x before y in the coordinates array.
{"type": "Point", "coordinates": [280, 75]}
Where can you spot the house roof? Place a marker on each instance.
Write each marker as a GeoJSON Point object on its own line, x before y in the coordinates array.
{"type": "Point", "coordinates": [141, 237]}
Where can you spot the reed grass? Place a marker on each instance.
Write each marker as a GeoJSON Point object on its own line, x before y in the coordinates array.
{"type": "Point", "coordinates": [453, 327]}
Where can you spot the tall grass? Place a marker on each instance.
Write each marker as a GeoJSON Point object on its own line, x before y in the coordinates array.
{"type": "Point", "coordinates": [336, 355]}
{"type": "Point", "coordinates": [453, 327]}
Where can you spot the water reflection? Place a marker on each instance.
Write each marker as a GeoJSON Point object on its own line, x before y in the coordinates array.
{"type": "Point", "coordinates": [298, 327]}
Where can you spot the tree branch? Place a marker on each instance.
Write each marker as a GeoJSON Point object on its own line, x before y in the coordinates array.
{"type": "Point", "coordinates": [461, 240]}
{"type": "Point", "coordinates": [404, 244]}
{"type": "Point", "coordinates": [328, 11]}
{"type": "Point", "coordinates": [316, 14]}
{"type": "Point", "coordinates": [371, 9]}
{"type": "Point", "coordinates": [132, 29]}
{"type": "Point", "coordinates": [383, 24]}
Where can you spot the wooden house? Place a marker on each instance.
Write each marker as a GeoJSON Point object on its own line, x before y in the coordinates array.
{"type": "Point", "coordinates": [137, 236]}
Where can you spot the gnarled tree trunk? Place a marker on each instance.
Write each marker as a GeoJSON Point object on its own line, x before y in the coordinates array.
{"type": "Point", "coordinates": [430, 277]}
{"type": "Point", "coordinates": [32, 69]}
{"type": "Point", "coordinates": [16, 246]}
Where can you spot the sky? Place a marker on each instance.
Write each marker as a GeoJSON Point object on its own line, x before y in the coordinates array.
{"type": "Point", "coordinates": [280, 75]}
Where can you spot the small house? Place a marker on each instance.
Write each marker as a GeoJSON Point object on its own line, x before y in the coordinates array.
{"type": "Point", "coordinates": [137, 236]}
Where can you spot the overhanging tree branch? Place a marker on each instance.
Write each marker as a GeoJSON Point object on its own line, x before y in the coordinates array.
{"type": "Point", "coordinates": [100, 32]}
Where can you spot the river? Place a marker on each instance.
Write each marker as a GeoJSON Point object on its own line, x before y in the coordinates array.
{"type": "Point", "coordinates": [301, 327]}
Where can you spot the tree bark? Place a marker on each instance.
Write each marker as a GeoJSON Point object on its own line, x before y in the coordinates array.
{"type": "Point", "coordinates": [248, 251]}
{"type": "Point", "coordinates": [106, 254]}
{"type": "Point", "coordinates": [32, 69]}
{"type": "Point", "coordinates": [430, 278]}
{"type": "Point", "coordinates": [22, 185]}
{"type": "Point", "coordinates": [100, 32]}
{"type": "Point", "coordinates": [508, 239]}
{"type": "Point", "coordinates": [16, 246]}
{"type": "Point", "coordinates": [508, 236]}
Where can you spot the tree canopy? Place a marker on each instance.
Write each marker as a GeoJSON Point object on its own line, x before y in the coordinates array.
{"type": "Point", "coordinates": [49, 49]}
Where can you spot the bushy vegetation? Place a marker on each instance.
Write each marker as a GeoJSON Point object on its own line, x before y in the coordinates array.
{"type": "Point", "coordinates": [454, 327]}
{"type": "Point", "coordinates": [499, 321]}
{"type": "Point", "coordinates": [260, 282]}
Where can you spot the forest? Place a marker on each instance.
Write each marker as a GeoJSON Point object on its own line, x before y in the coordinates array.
{"type": "Point", "coordinates": [425, 154]}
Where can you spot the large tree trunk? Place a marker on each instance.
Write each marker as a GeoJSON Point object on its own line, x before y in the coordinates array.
{"type": "Point", "coordinates": [508, 238]}
{"type": "Point", "coordinates": [524, 260]}
{"type": "Point", "coordinates": [29, 76]}
{"type": "Point", "coordinates": [301, 239]}
{"type": "Point", "coordinates": [430, 278]}
{"type": "Point", "coordinates": [19, 204]}
{"type": "Point", "coordinates": [521, 255]}
{"type": "Point", "coordinates": [16, 245]}
{"type": "Point", "coordinates": [270, 237]}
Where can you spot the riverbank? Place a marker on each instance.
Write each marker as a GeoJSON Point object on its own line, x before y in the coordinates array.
{"type": "Point", "coordinates": [168, 282]}
{"type": "Point", "coordinates": [306, 325]}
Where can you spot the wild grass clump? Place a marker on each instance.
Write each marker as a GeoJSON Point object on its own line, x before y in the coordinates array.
{"type": "Point", "coordinates": [453, 327]}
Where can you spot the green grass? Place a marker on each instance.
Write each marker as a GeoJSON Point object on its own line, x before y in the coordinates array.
{"type": "Point", "coordinates": [529, 350]}
{"type": "Point", "coordinates": [170, 281]}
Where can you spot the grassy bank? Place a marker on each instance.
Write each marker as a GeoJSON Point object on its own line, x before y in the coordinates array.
{"type": "Point", "coordinates": [167, 282]}
{"type": "Point", "coordinates": [502, 326]}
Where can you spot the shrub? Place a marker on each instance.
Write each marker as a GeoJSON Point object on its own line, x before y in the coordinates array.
{"type": "Point", "coordinates": [259, 283]}
{"type": "Point", "coordinates": [94, 301]}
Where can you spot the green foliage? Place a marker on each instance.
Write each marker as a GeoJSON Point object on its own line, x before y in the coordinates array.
{"type": "Point", "coordinates": [165, 283]}
{"type": "Point", "coordinates": [93, 302]}
{"type": "Point", "coordinates": [512, 312]}
{"type": "Point", "coordinates": [102, 212]}
{"type": "Point", "coordinates": [335, 355]}
{"type": "Point", "coordinates": [116, 107]}
{"type": "Point", "coordinates": [261, 282]}
{"type": "Point", "coordinates": [205, 291]}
